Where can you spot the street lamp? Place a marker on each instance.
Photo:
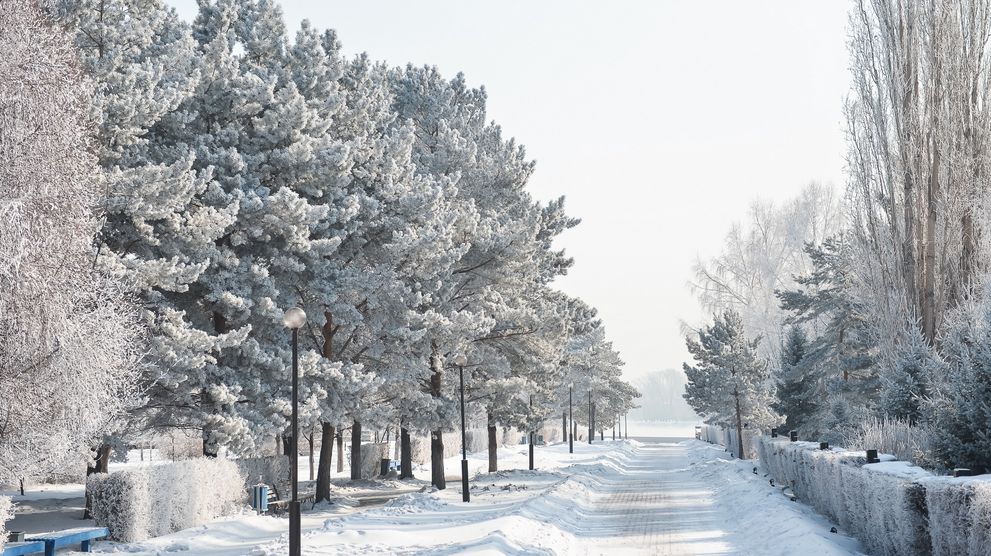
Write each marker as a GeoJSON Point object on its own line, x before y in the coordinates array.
{"type": "Point", "coordinates": [294, 319]}
{"type": "Point", "coordinates": [570, 432]}
{"type": "Point", "coordinates": [590, 424]}
{"type": "Point", "coordinates": [531, 432]}
{"type": "Point", "coordinates": [460, 361]}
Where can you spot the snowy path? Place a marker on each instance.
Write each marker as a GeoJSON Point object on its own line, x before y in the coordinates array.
{"type": "Point", "coordinates": [655, 506]}
{"type": "Point", "coordinates": [607, 498]}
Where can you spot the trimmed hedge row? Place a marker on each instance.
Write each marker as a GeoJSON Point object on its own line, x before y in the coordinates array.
{"type": "Point", "coordinates": [137, 504]}
{"type": "Point", "coordinates": [892, 507]}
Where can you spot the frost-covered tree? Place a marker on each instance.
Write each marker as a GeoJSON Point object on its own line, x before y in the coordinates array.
{"type": "Point", "coordinates": [762, 256]}
{"type": "Point", "coordinates": [843, 349]}
{"type": "Point", "coordinates": [503, 246]}
{"type": "Point", "coordinates": [919, 125]}
{"type": "Point", "coordinates": [728, 384]}
{"type": "Point", "coordinates": [958, 404]}
{"type": "Point", "coordinates": [68, 335]}
{"type": "Point", "coordinates": [798, 387]}
{"type": "Point", "coordinates": [155, 234]}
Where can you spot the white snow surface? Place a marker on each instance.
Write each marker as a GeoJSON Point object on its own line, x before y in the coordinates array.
{"type": "Point", "coordinates": [622, 497]}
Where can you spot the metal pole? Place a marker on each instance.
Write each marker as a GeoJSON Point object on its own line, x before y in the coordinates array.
{"type": "Point", "coordinates": [570, 432]}
{"type": "Point", "coordinates": [589, 416]}
{"type": "Point", "coordinates": [465, 493]}
{"type": "Point", "coordinates": [294, 515]}
{"type": "Point", "coordinates": [531, 434]}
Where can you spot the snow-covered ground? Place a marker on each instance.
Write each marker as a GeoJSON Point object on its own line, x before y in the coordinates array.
{"type": "Point", "coordinates": [623, 497]}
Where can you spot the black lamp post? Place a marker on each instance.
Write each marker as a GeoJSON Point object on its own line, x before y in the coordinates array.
{"type": "Point", "coordinates": [590, 424]}
{"type": "Point", "coordinates": [460, 361]}
{"type": "Point", "coordinates": [294, 319]}
{"type": "Point", "coordinates": [531, 433]}
{"type": "Point", "coordinates": [570, 432]}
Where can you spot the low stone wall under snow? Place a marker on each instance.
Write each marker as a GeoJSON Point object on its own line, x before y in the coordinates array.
{"type": "Point", "coordinates": [144, 502]}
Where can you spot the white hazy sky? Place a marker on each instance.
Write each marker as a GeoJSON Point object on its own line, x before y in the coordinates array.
{"type": "Point", "coordinates": [660, 121]}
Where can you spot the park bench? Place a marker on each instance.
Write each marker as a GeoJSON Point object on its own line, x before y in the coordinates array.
{"type": "Point", "coordinates": [23, 547]}
{"type": "Point", "coordinates": [70, 537]}
{"type": "Point", "coordinates": [277, 505]}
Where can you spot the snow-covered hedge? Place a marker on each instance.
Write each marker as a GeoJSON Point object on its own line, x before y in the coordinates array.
{"type": "Point", "coordinates": [269, 470]}
{"type": "Point", "coordinates": [881, 504]}
{"type": "Point", "coordinates": [6, 512]}
{"type": "Point", "coordinates": [145, 502]}
{"type": "Point", "coordinates": [727, 439]}
{"type": "Point", "coordinates": [959, 514]}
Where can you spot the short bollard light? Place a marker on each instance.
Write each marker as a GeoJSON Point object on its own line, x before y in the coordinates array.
{"type": "Point", "coordinates": [872, 457]}
{"type": "Point", "coordinates": [824, 445]}
{"type": "Point", "coordinates": [794, 436]}
{"type": "Point", "coordinates": [774, 433]}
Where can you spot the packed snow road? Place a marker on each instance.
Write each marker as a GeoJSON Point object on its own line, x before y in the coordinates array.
{"type": "Point", "coordinates": [608, 498]}
{"type": "Point", "coordinates": [654, 496]}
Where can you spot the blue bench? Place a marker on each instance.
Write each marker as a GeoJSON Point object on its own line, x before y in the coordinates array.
{"type": "Point", "coordinates": [21, 548]}
{"type": "Point", "coordinates": [81, 536]}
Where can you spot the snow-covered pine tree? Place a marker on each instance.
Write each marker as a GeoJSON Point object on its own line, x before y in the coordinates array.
{"type": "Point", "coordinates": [728, 385]}
{"type": "Point", "coordinates": [155, 234]}
{"type": "Point", "coordinates": [905, 380]}
{"type": "Point", "coordinates": [844, 349]}
{"type": "Point", "coordinates": [505, 235]}
{"type": "Point", "coordinates": [798, 389]}
{"type": "Point", "coordinates": [69, 336]}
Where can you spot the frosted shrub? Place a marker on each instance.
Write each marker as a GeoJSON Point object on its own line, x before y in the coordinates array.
{"type": "Point", "coordinates": [891, 436]}
{"type": "Point", "coordinates": [158, 500]}
{"type": "Point", "coordinates": [270, 470]}
{"type": "Point", "coordinates": [6, 512]}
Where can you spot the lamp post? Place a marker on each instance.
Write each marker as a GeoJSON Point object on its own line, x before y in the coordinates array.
{"type": "Point", "coordinates": [294, 319]}
{"type": "Point", "coordinates": [590, 425]}
{"type": "Point", "coordinates": [460, 361]}
{"type": "Point", "coordinates": [571, 417]}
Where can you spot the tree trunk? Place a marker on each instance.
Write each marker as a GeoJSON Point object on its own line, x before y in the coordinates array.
{"type": "Point", "coordinates": [356, 451]}
{"type": "Point", "coordinates": [405, 455]}
{"type": "Point", "coordinates": [739, 422]}
{"type": "Point", "coordinates": [602, 435]}
{"type": "Point", "coordinates": [309, 440]}
{"type": "Point", "coordinates": [326, 457]}
{"type": "Point", "coordinates": [929, 279]}
{"type": "Point", "coordinates": [101, 464]}
{"type": "Point", "coordinates": [564, 427]}
{"type": "Point", "coordinates": [437, 478]}
{"type": "Point", "coordinates": [340, 450]}
{"type": "Point", "coordinates": [286, 445]}
{"type": "Point", "coordinates": [574, 431]}
{"type": "Point", "coordinates": [493, 446]}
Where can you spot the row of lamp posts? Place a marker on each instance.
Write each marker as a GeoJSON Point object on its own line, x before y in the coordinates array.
{"type": "Point", "coordinates": [294, 319]}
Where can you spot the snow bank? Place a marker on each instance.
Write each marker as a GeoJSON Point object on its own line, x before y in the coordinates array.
{"type": "Point", "coordinates": [136, 504]}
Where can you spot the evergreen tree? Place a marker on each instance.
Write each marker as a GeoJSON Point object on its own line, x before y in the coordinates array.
{"type": "Point", "coordinates": [843, 351]}
{"type": "Point", "coordinates": [797, 387]}
{"type": "Point", "coordinates": [728, 385]}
